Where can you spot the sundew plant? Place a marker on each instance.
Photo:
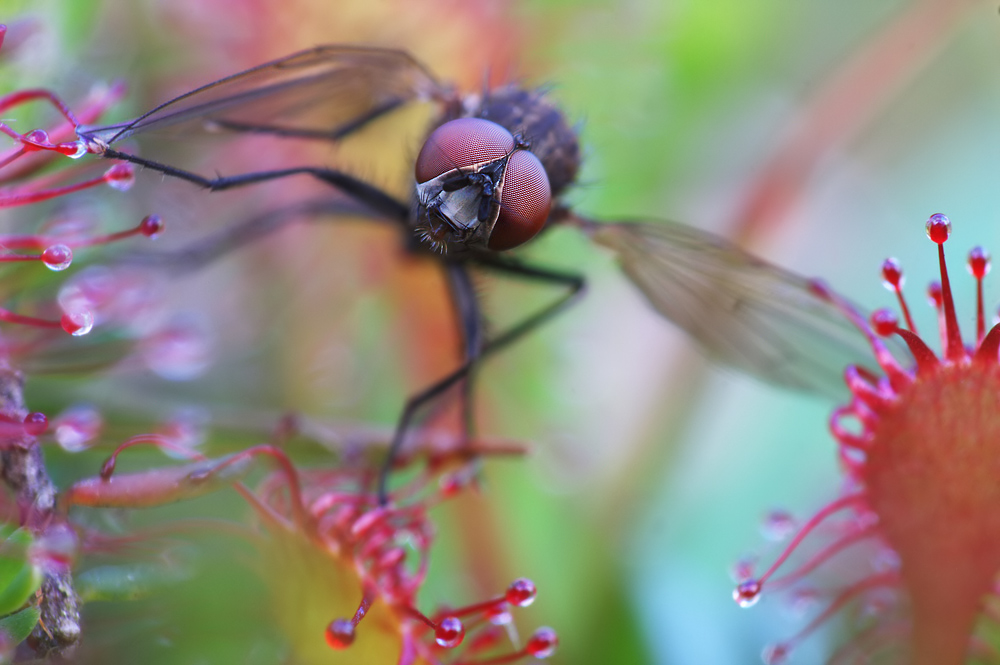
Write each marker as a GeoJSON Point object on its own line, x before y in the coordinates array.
{"type": "Point", "coordinates": [198, 389]}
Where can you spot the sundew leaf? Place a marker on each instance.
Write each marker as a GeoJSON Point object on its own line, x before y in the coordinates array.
{"type": "Point", "coordinates": [20, 588]}
{"type": "Point", "coordinates": [115, 583]}
{"type": "Point", "coordinates": [18, 626]}
{"type": "Point", "coordinates": [19, 578]}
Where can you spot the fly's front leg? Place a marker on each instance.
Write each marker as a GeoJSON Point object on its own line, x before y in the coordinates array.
{"type": "Point", "coordinates": [358, 190]}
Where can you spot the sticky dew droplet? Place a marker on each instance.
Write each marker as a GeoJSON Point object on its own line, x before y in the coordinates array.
{"type": "Point", "coordinates": [892, 275]}
{"type": "Point", "coordinates": [340, 634]}
{"type": "Point", "coordinates": [979, 262]}
{"type": "Point", "coordinates": [742, 570]}
{"type": "Point", "coordinates": [802, 601]}
{"type": "Point", "coordinates": [76, 427]}
{"type": "Point", "coordinates": [36, 423]}
{"type": "Point", "coordinates": [542, 643]}
{"type": "Point", "coordinates": [73, 149]}
{"type": "Point", "coordinates": [57, 257]}
{"type": "Point", "coordinates": [884, 322]}
{"type": "Point", "coordinates": [886, 560]}
{"type": "Point", "coordinates": [521, 592]}
{"type": "Point", "coordinates": [180, 351]}
{"type": "Point", "coordinates": [449, 633]}
{"type": "Point", "coordinates": [78, 323]}
{"type": "Point", "coordinates": [938, 228]}
{"type": "Point", "coordinates": [187, 428]}
{"type": "Point", "coordinates": [151, 226]}
{"type": "Point", "coordinates": [935, 296]}
{"type": "Point", "coordinates": [120, 177]}
{"type": "Point", "coordinates": [747, 594]}
{"type": "Point", "coordinates": [39, 136]}
{"type": "Point", "coordinates": [777, 525]}
{"type": "Point", "coordinates": [878, 602]}
{"type": "Point", "coordinates": [775, 654]}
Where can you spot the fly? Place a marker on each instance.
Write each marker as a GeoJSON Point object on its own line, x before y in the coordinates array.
{"type": "Point", "coordinates": [488, 179]}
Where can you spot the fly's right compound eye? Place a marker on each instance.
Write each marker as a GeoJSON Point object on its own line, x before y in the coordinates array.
{"type": "Point", "coordinates": [524, 204]}
{"type": "Point", "coordinates": [461, 143]}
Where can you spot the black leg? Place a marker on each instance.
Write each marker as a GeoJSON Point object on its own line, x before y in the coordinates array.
{"type": "Point", "coordinates": [466, 305]}
{"type": "Point", "coordinates": [574, 285]}
{"type": "Point", "coordinates": [205, 250]}
{"type": "Point", "coordinates": [359, 190]}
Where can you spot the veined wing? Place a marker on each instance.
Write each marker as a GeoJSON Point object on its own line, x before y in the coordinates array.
{"type": "Point", "coordinates": [325, 92]}
{"type": "Point", "coordinates": [745, 312]}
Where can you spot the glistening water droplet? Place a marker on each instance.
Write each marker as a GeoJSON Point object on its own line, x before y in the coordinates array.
{"type": "Point", "coordinates": [449, 633]}
{"type": "Point", "coordinates": [57, 257]}
{"type": "Point", "coordinates": [747, 594]}
{"type": "Point", "coordinates": [340, 634]}
{"type": "Point", "coordinates": [521, 592]}
{"type": "Point", "coordinates": [76, 427]}
{"type": "Point", "coordinates": [78, 323]}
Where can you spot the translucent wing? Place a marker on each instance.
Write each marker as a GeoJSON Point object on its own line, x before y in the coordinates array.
{"type": "Point", "coordinates": [324, 92]}
{"type": "Point", "coordinates": [746, 313]}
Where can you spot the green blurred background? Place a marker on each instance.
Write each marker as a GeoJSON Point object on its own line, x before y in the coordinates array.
{"type": "Point", "coordinates": [650, 471]}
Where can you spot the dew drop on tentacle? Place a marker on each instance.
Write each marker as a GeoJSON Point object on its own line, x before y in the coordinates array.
{"type": "Point", "coordinates": [884, 322]}
{"type": "Point", "coordinates": [742, 570]}
{"type": "Point", "coordinates": [521, 592]}
{"type": "Point", "coordinates": [340, 634]}
{"type": "Point", "coordinates": [892, 274]}
{"type": "Point", "coordinates": [775, 654]}
{"type": "Point", "coordinates": [120, 177]}
{"type": "Point", "coordinates": [36, 423]}
{"type": "Point", "coordinates": [186, 429]}
{"type": "Point", "coordinates": [73, 149]}
{"type": "Point", "coordinates": [39, 136]}
{"type": "Point", "coordinates": [935, 297]}
{"type": "Point", "coordinates": [777, 525]}
{"type": "Point", "coordinates": [449, 633]}
{"type": "Point", "coordinates": [57, 257]}
{"type": "Point", "coordinates": [802, 601]}
{"type": "Point", "coordinates": [979, 262]}
{"type": "Point", "coordinates": [938, 228]}
{"type": "Point", "coordinates": [77, 427]}
{"type": "Point", "coordinates": [180, 351]}
{"type": "Point", "coordinates": [542, 643]}
{"type": "Point", "coordinates": [77, 323]}
{"type": "Point", "coordinates": [151, 226]}
{"type": "Point", "coordinates": [747, 594]}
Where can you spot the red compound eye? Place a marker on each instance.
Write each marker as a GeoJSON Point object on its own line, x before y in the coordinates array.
{"type": "Point", "coordinates": [459, 143]}
{"type": "Point", "coordinates": [524, 202]}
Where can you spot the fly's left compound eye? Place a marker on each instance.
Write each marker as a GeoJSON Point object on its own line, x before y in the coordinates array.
{"type": "Point", "coordinates": [460, 143]}
{"type": "Point", "coordinates": [524, 202]}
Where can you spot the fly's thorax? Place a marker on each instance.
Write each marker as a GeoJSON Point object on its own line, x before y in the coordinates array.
{"type": "Point", "coordinates": [532, 116]}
